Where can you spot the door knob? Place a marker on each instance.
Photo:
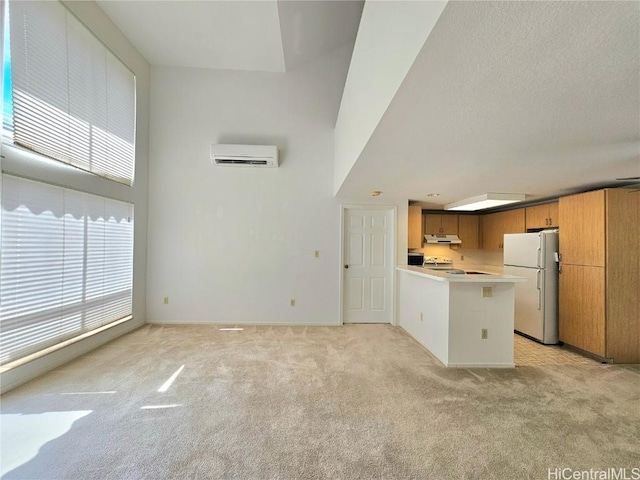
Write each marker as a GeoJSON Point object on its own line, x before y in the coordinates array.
{"type": "Point", "coordinates": [346, 266]}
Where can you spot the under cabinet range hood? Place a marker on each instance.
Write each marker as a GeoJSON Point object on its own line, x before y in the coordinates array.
{"type": "Point", "coordinates": [448, 239]}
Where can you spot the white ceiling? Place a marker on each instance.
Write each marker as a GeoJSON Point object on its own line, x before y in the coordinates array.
{"type": "Point", "coordinates": [264, 35]}
{"type": "Point", "coordinates": [236, 35]}
{"type": "Point", "coordinates": [313, 28]}
{"type": "Point", "coordinates": [541, 98]}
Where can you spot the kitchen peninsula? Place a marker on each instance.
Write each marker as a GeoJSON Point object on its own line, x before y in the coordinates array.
{"type": "Point", "coordinates": [464, 320]}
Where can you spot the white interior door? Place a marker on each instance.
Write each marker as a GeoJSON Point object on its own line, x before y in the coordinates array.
{"type": "Point", "coordinates": [368, 265]}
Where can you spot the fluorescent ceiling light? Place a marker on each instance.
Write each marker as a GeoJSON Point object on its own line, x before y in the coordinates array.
{"type": "Point", "coordinates": [486, 200]}
{"type": "Point", "coordinates": [154, 407]}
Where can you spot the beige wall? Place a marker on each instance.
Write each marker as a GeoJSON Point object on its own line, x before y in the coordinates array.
{"type": "Point", "coordinates": [490, 260]}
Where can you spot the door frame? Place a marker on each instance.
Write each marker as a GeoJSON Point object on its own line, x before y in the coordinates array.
{"type": "Point", "coordinates": [394, 242]}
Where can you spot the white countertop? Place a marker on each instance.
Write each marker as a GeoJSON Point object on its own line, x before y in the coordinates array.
{"type": "Point", "coordinates": [444, 276]}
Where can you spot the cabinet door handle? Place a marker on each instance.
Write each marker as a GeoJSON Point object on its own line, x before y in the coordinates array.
{"type": "Point", "coordinates": [346, 266]}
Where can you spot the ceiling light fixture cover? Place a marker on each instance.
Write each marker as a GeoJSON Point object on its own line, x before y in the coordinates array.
{"type": "Point", "coordinates": [486, 200]}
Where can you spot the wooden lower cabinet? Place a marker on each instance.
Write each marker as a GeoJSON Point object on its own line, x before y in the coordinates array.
{"type": "Point", "coordinates": [582, 308]}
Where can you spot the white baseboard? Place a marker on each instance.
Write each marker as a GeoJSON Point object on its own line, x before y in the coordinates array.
{"type": "Point", "coordinates": [247, 324]}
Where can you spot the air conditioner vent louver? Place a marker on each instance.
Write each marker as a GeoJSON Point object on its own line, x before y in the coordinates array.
{"type": "Point", "coordinates": [239, 161]}
{"type": "Point", "coordinates": [244, 155]}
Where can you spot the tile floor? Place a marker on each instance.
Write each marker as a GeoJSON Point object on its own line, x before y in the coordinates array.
{"type": "Point", "coordinates": [528, 353]}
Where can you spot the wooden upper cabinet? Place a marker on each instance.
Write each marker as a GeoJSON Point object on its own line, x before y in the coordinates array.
{"type": "Point", "coordinates": [495, 225]}
{"type": "Point", "coordinates": [469, 231]}
{"type": "Point", "coordinates": [491, 236]}
{"type": "Point", "coordinates": [450, 224]}
{"type": "Point", "coordinates": [437, 224]}
{"type": "Point", "coordinates": [542, 216]}
{"type": "Point", "coordinates": [582, 236]}
{"type": "Point", "coordinates": [554, 217]}
{"type": "Point", "coordinates": [415, 226]}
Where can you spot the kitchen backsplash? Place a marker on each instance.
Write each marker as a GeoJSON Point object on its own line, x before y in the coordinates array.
{"type": "Point", "coordinates": [488, 260]}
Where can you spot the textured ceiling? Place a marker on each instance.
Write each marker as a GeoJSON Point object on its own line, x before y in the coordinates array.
{"type": "Point", "coordinates": [540, 98]}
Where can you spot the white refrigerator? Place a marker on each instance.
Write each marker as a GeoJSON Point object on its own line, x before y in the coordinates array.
{"type": "Point", "coordinates": [534, 256]}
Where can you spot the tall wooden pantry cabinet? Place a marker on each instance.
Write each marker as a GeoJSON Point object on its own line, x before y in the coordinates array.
{"type": "Point", "coordinates": [599, 297]}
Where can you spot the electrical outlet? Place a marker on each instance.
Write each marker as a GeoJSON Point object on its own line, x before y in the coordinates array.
{"type": "Point", "coordinates": [487, 291]}
{"type": "Point", "coordinates": [293, 302]}
{"type": "Point", "coordinates": [165, 300]}
{"type": "Point", "coordinates": [485, 334]}
{"type": "Point", "coordinates": [317, 253]}
{"type": "Point", "coordinates": [421, 317]}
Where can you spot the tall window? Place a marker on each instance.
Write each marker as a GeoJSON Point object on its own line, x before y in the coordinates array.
{"type": "Point", "coordinates": [66, 262]}
{"type": "Point", "coordinates": [73, 100]}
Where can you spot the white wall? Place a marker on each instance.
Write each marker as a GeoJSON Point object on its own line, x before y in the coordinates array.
{"type": "Point", "coordinates": [447, 318]}
{"type": "Point", "coordinates": [390, 35]}
{"type": "Point", "coordinates": [18, 163]}
{"type": "Point", "coordinates": [234, 245]}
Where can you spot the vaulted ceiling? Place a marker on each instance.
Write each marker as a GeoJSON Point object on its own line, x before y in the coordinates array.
{"type": "Point", "coordinates": [541, 98]}
{"type": "Point", "coordinates": [264, 35]}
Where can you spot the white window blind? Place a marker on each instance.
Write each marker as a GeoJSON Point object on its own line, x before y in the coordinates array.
{"type": "Point", "coordinates": [73, 100]}
{"type": "Point", "coordinates": [67, 265]}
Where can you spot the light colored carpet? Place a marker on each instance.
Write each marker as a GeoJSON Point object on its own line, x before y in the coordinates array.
{"type": "Point", "coordinates": [359, 401]}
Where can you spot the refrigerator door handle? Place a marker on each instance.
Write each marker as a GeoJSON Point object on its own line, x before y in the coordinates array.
{"type": "Point", "coordinates": [539, 289]}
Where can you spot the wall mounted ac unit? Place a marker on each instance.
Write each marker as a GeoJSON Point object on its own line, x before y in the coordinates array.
{"type": "Point", "coordinates": [244, 155]}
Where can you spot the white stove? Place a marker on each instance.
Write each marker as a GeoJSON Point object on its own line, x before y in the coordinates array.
{"type": "Point", "coordinates": [438, 263]}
